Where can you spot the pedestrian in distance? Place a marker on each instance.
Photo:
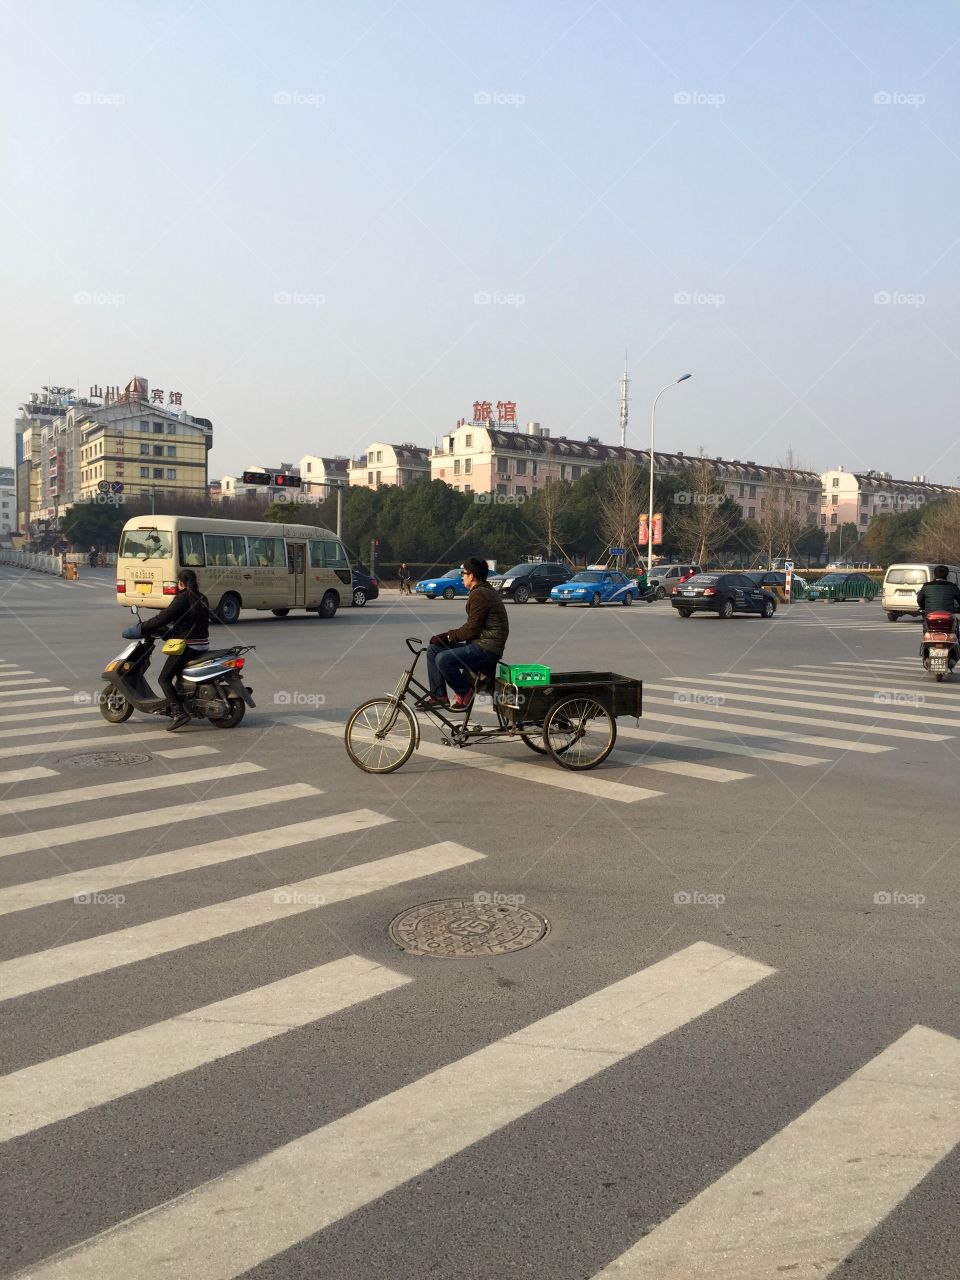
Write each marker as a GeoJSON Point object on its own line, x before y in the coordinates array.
{"type": "Point", "coordinates": [403, 575]}
{"type": "Point", "coordinates": [92, 558]}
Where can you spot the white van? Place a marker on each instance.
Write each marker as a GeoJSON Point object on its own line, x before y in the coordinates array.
{"type": "Point", "coordinates": [901, 583]}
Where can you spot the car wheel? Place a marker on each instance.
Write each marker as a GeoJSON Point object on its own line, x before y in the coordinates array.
{"type": "Point", "coordinates": [228, 610]}
{"type": "Point", "coordinates": [448, 593]}
{"type": "Point", "coordinates": [279, 613]}
{"type": "Point", "coordinates": [594, 599]}
{"type": "Point", "coordinates": [892, 615]}
{"type": "Point", "coordinates": [359, 597]}
{"type": "Point", "coordinates": [726, 609]}
{"type": "Point", "coordinates": [328, 605]}
{"type": "Point", "coordinates": [660, 594]}
{"type": "Point", "coordinates": [521, 595]}
{"type": "Point", "coordinates": [767, 609]}
{"type": "Point", "coordinates": [541, 599]}
{"type": "Point", "coordinates": [429, 596]}
{"type": "Point", "coordinates": [685, 613]}
{"type": "Point", "coordinates": [562, 604]}
{"type": "Point", "coordinates": [628, 599]}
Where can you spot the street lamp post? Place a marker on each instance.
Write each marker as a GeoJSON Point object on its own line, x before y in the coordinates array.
{"type": "Point", "coordinates": [653, 428]}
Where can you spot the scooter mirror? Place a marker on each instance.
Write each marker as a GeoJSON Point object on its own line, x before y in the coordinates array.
{"type": "Point", "coordinates": [135, 611]}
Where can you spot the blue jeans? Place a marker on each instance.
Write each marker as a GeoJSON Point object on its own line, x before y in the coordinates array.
{"type": "Point", "coordinates": [445, 666]}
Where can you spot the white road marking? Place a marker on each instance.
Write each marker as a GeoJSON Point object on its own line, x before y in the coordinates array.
{"type": "Point", "coordinates": [19, 693]}
{"type": "Point", "coordinates": [9, 682]}
{"type": "Point", "coordinates": [40, 893]}
{"type": "Point", "coordinates": [111, 740]}
{"type": "Point", "coordinates": [127, 787]}
{"type": "Point", "coordinates": [726, 685]}
{"type": "Point", "coordinates": [183, 753]}
{"type": "Point", "coordinates": [548, 773]}
{"type": "Point", "coordinates": [65, 1086]}
{"type": "Point", "coordinates": [148, 820]}
{"type": "Point", "coordinates": [716, 747]}
{"type": "Point", "coordinates": [41, 715]}
{"type": "Point", "coordinates": [805, 1200]}
{"type": "Point", "coordinates": [75, 960]}
{"type": "Point", "coordinates": [800, 687]}
{"type": "Point", "coordinates": [26, 775]}
{"type": "Point", "coordinates": [231, 1224]}
{"type": "Point", "coordinates": [682, 768]}
{"type": "Point", "coordinates": [751, 731]}
{"type": "Point", "coordinates": [31, 730]}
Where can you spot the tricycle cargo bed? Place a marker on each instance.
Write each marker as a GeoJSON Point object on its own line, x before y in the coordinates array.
{"type": "Point", "coordinates": [620, 695]}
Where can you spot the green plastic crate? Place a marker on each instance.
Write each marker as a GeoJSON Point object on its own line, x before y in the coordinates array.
{"type": "Point", "coordinates": [524, 674]}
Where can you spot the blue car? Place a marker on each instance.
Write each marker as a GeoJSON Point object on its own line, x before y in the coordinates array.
{"type": "Point", "coordinates": [447, 585]}
{"type": "Point", "coordinates": [596, 586]}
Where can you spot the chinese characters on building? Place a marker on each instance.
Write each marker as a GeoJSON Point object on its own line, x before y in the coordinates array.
{"type": "Point", "coordinates": [483, 411]}
{"type": "Point", "coordinates": [133, 394]}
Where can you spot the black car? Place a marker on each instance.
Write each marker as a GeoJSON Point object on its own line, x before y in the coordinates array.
{"type": "Point", "coordinates": [536, 580]}
{"type": "Point", "coordinates": [724, 594]}
{"type": "Point", "coordinates": [365, 587]}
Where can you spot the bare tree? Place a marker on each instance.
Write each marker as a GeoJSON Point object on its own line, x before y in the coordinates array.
{"type": "Point", "coordinates": [621, 504]}
{"type": "Point", "coordinates": [548, 504]}
{"type": "Point", "coordinates": [704, 521]}
{"type": "Point", "coordinates": [781, 522]}
{"type": "Point", "coordinates": [938, 538]}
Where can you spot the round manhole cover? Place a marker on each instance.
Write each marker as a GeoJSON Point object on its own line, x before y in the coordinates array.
{"type": "Point", "coordinates": [107, 759]}
{"type": "Point", "coordinates": [466, 927]}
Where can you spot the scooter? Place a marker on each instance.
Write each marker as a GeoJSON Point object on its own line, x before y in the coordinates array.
{"type": "Point", "coordinates": [210, 685]}
{"type": "Point", "coordinates": [940, 647]}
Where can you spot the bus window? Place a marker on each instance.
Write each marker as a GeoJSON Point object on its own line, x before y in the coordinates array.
{"type": "Point", "coordinates": [145, 544]}
{"type": "Point", "coordinates": [316, 555]}
{"type": "Point", "coordinates": [334, 556]}
{"type": "Point", "coordinates": [267, 553]}
{"type": "Point", "coordinates": [191, 550]}
{"type": "Point", "coordinates": [225, 551]}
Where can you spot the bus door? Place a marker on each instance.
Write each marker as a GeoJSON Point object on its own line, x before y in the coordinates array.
{"type": "Point", "coordinates": [297, 573]}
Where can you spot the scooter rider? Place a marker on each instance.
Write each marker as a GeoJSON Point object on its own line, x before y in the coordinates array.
{"type": "Point", "coordinates": [940, 595]}
{"type": "Point", "coordinates": [188, 618]}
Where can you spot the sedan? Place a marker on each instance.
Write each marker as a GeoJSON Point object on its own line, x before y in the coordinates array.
{"type": "Point", "coordinates": [843, 586]}
{"type": "Point", "coordinates": [775, 581]}
{"type": "Point", "coordinates": [365, 586]}
{"type": "Point", "coordinates": [596, 586]}
{"type": "Point", "coordinates": [724, 594]}
{"type": "Point", "coordinates": [448, 585]}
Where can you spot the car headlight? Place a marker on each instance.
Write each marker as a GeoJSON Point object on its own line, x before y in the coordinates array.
{"type": "Point", "coordinates": [508, 582]}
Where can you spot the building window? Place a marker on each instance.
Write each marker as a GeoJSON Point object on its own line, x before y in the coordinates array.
{"type": "Point", "coordinates": [171, 473]}
{"type": "Point", "coordinates": [144, 426]}
{"type": "Point", "coordinates": [158, 473]}
{"type": "Point", "coordinates": [521, 489]}
{"type": "Point", "coordinates": [158, 428]}
{"type": "Point", "coordinates": [145, 449]}
{"type": "Point", "coordinates": [379, 473]}
{"type": "Point", "coordinates": [468, 488]}
{"type": "Point", "coordinates": [171, 428]}
{"type": "Point", "coordinates": [456, 466]}
{"type": "Point", "coordinates": [379, 457]}
{"type": "Point", "coordinates": [534, 470]}
{"type": "Point", "coordinates": [158, 450]}
{"type": "Point", "coordinates": [501, 488]}
{"type": "Point", "coordinates": [833, 518]}
{"type": "Point", "coordinates": [171, 450]}
{"type": "Point", "coordinates": [836, 482]}
{"type": "Point", "coordinates": [309, 466]}
{"type": "Point", "coordinates": [144, 473]}
{"type": "Point", "coordinates": [751, 513]}
{"type": "Point", "coordinates": [575, 472]}
{"type": "Point", "coordinates": [740, 491]}
{"type": "Point", "coordinates": [835, 500]}
{"type": "Point", "coordinates": [521, 467]}
{"type": "Point", "coordinates": [468, 441]}
{"type": "Point", "coordinates": [753, 491]}
{"type": "Point", "coordinates": [467, 466]}
{"type": "Point", "coordinates": [563, 471]}
{"type": "Point", "coordinates": [370, 477]}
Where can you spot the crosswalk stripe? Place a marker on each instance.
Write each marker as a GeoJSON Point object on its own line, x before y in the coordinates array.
{"type": "Point", "coordinates": [31, 730]}
{"type": "Point", "coordinates": [716, 747]}
{"type": "Point", "coordinates": [752, 731]}
{"type": "Point", "coordinates": [227, 1226]}
{"type": "Point", "coordinates": [874, 683]}
{"type": "Point", "coordinates": [10, 682]}
{"type": "Point", "coordinates": [65, 1086]}
{"type": "Point", "coordinates": [901, 666]}
{"type": "Point", "coordinates": [127, 787]}
{"type": "Point", "coordinates": [726, 685]}
{"type": "Point", "coordinates": [682, 768]}
{"type": "Point", "coordinates": [106, 739]}
{"type": "Point", "coordinates": [183, 753]}
{"type": "Point", "coordinates": [6, 672]}
{"type": "Point", "coordinates": [26, 775]}
{"type": "Point", "coordinates": [72, 884]}
{"type": "Point", "coordinates": [66, 963]}
{"type": "Point", "coordinates": [800, 687]}
{"type": "Point", "coordinates": [858, 679]}
{"type": "Point", "coordinates": [41, 715]}
{"type": "Point", "coordinates": [547, 773]}
{"type": "Point", "coordinates": [168, 816]}
{"type": "Point", "coordinates": [805, 1200]}
{"type": "Point", "coordinates": [19, 693]}
{"type": "Point", "coordinates": [781, 717]}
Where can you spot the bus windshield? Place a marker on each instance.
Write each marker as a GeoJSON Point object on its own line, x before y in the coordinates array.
{"type": "Point", "coordinates": [145, 544]}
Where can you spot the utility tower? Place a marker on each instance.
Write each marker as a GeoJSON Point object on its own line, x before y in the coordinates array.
{"type": "Point", "coordinates": [624, 403]}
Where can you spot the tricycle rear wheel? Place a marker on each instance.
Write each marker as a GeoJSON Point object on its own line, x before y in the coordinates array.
{"type": "Point", "coordinates": [579, 733]}
{"type": "Point", "coordinates": [380, 735]}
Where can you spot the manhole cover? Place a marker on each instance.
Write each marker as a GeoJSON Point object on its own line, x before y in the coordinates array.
{"type": "Point", "coordinates": [106, 759]}
{"type": "Point", "coordinates": [465, 927]}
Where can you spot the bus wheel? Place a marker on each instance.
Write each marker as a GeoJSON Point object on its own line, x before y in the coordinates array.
{"type": "Point", "coordinates": [228, 610]}
{"type": "Point", "coordinates": [279, 613]}
{"type": "Point", "coordinates": [328, 605]}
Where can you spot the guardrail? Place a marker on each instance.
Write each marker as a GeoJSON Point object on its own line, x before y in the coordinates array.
{"type": "Point", "coordinates": [33, 560]}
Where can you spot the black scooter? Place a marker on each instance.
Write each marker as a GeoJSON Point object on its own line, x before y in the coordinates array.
{"type": "Point", "coordinates": [210, 685]}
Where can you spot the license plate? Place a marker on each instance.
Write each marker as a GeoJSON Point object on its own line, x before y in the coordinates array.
{"type": "Point", "coordinates": [145, 588]}
{"type": "Point", "coordinates": [688, 592]}
{"type": "Point", "coordinates": [939, 654]}
{"type": "Point", "coordinates": [938, 664]}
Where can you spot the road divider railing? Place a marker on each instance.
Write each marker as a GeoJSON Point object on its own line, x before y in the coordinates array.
{"type": "Point", "coordinates": [38, 562]}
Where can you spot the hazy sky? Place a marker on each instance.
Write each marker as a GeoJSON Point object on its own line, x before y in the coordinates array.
{"type": "Point", "coordinates": [186, 167]}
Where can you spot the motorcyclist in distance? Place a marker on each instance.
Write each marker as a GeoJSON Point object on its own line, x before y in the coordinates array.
{"type": "Point", "coordinates": [940, 595]}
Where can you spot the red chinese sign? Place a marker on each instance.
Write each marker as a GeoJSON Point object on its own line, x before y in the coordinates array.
{"type": "Point", "coordinates": [483, 411]}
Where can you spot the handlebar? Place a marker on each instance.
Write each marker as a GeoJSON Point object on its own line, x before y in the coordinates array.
{"type": "Point", "coordinates": [411, 641]}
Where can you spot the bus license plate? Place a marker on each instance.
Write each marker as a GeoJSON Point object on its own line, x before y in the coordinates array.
{"type": "Point", "coordinates": [145, 588]}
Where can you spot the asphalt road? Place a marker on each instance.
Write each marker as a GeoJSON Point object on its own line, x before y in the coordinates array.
{"type": "Point", "coordinates": [735, 1053]}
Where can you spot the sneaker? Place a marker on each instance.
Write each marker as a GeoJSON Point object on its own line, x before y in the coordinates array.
{"type": "Point", "coordinates": [178, 722]}
{"type": "Point", "coordinates": [462, 701]}
{"type": "Point", "coordinates": [434, 700]}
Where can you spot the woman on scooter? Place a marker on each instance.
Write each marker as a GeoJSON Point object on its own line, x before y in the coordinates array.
{"type": "Point", "coordinates": [188, 618]}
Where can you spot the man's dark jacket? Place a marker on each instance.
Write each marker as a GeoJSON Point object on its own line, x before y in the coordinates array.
{"type": "Point", "coordinates": [939, 597]}
{"type": "Point", "coordinates": [487, 624]}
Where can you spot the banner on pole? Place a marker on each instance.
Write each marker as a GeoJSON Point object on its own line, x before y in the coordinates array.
{"type": "Point", "coordinates": [644, 533]}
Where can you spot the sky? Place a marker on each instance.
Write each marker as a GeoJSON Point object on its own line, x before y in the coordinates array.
{"type": "Point", "coordinates": [326, 224]}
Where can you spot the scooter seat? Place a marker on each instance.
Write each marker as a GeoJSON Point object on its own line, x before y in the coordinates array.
{"type": "Point", "coordinates": [209, 655]}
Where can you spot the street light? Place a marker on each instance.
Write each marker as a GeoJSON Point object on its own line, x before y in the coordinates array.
{"type": "Point", "coordinates": [653, 424]}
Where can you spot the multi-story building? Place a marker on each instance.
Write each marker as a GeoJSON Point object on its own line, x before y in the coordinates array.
{"type": "Point", "coordinates": [8, 503]}
{"type": "Point", "coordinates": [69, 451]}
{"type": "Point", "coordinates": [384, 463]}
{"type": "Point", "coordinates": [477, 457]}
{"type": "Point", "coordinates": [321, 476]}
{"type": "Point", "coordinates": [855, 497]}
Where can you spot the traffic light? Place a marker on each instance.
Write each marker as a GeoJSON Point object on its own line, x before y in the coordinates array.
{"type": "Point", "coordinates": [287, 482]}
{"type": "Point", "coordinates": [256, 477]}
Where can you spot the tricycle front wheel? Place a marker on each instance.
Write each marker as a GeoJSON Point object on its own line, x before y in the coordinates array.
{"type": "Point", "coordinates": [380, 735]}
{"type": "Point", "coordinates": [579, 733]}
